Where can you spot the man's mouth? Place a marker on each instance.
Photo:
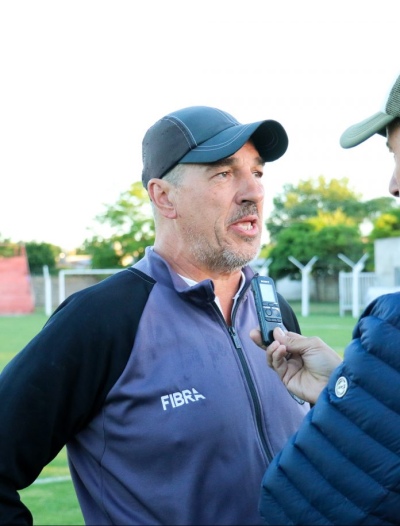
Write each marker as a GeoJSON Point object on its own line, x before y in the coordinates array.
{"type": "Point", "coordinates": [247, 225]}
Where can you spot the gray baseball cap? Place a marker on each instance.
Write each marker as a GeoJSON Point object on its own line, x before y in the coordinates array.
{"type": "Point", "coordinates": [201, 134]}
{"type": "Point", "coordinates": [377, 122]}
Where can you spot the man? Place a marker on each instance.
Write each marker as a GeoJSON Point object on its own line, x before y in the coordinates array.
{"type": "Point", "coordinates": [343, 465]}
{"type": "Point", "coordinates": [151, 377]}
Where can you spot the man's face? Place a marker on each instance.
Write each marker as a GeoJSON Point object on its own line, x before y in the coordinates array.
{"type": "Point", "coordinates": [393, 143]}
{"type": "Point", "coordinates": [219, 210]}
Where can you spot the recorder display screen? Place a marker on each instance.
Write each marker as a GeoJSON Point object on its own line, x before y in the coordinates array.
{"type": "Point", "coordinates": [267, 293]}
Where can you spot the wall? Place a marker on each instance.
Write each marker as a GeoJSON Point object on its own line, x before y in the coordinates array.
{"type": "Point", "coordinates": [387, 261]}
{"type": "Point", "coordinates": [72, 284]}
{"type": "Point", "coordinates": [291, 290]}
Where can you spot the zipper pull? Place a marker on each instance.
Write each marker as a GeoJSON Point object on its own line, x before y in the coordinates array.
{"type": "Point", "coordinates": [235, 338]}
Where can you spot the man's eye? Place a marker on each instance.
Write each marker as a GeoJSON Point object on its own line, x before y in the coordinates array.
{"type": "Point", "coordinates": [258, 173]}
{"type": "Point", "coordinates": [223, 175]}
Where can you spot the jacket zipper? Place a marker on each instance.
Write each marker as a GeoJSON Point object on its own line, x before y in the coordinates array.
{"type": "Point", "coordinates": [253, 391]}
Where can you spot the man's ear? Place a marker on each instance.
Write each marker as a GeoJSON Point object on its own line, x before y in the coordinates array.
{"type": "Point", "coordinates": [161, 193]}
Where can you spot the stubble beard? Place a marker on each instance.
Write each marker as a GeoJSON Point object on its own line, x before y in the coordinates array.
{"type": "Point", "coordinates": [224, 258]}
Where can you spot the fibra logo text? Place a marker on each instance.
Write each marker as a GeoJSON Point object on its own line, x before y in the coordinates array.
{"type": "Point", "coordinates": [179, 398]}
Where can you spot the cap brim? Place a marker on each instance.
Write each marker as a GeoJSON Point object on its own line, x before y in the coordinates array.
{"type": "Point", "coordinates": [365, 129]}
{"type": "Point", "coordinates": [269, 137]}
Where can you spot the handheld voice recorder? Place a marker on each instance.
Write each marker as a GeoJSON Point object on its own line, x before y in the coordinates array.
{"type": "Point", "coordinates": [268, 311]}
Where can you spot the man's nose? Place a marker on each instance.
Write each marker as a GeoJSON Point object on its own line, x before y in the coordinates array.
{"type": "Point", "coordinates": [394, 183]}
{"type": "Point", "coordinates": [251, 189]}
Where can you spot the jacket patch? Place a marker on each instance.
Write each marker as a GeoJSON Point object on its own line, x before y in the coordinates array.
{"type": "Point", "coordinates": [180, 398]}
{"type": "Point", "coordinates": [341, 387]}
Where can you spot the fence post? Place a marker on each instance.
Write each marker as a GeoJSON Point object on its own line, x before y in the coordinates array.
{"type": "Point", "coordinates": [61, 286]}
{"type": "Point", "coordinates": [47, 290]}
{"type": "Point", "coordinates": [356, 269]}
{"type": "Point", "coordinates": [261, 265]}
{"type": "Point", "coordinates": [305, 287]}
{"type": "Point", "coordinates": [342, 297]}
{"type": "Point", "coordinates": [63, 273]}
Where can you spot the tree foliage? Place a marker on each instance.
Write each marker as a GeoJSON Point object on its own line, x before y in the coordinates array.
{"type": "Point", "coordinates": [319, 218]}
{"type": "Point", "coordinates": [41, 254]}
{"type": "Point", "coordinates": [386, 225]}
{"type": "Point", "coordinates": [312, 197]}
{"type": "Point", "coordinates": [304, 240]}
{"type": "Point", "coordinates": [131, 226]}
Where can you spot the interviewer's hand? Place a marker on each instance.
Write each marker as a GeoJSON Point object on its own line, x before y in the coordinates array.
{"type": "Point", "coordinates": [304, 364]}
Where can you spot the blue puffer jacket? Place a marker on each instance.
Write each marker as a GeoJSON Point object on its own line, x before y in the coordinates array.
{"type": "Point", "coordinates": [343, 465]}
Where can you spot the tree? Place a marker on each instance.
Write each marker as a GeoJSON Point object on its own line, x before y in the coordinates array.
{"type": "Point", "coordinates": [40, 254]}
{"type": "Point", "coordinates": [313, 237]}
{"type": "Point", "coordinates": [324, 218]}
{"type": "Point", "coordinates": [317, 218]}
{"type": "Point", "coordinates": [291, 241]}
{"type": "Point", "coordinates": [7, 247]}
{"type": "Point", "coordinates": [313, 196]}
{"type": "Point", "coordinates": [386, 225]}
{"type": "Point", "coordinates": [103, 253]}
{"type": "Point", "coordinates": [131, 224]}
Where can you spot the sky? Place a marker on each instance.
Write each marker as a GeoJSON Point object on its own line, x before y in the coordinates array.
{"type": "Point", "coordinates": [82, 81]}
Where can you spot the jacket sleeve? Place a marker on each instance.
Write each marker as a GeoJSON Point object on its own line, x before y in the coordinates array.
{"type": "Point", "coordinates": [343, 465]}
{"type": "Point", "coordinates": [54, 386]}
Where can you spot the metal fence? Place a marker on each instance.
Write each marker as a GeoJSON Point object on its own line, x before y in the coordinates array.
{"type": "Point", "coordinates": [353, 291]}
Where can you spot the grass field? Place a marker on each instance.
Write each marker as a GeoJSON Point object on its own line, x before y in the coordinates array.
{"type": "Point", "coordinates": [53, 502]}
{"type": "Point", "coordinates": [324, 321]}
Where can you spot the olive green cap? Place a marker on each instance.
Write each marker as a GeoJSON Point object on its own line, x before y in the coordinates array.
{"type": "Point", "coordinates": [377, 123]}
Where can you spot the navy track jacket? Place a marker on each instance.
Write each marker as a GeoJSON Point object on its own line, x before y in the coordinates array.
{"type": "Point", "coordinates": [169, 415]}
{"type": "Point", "coordinates": [343, 465]}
